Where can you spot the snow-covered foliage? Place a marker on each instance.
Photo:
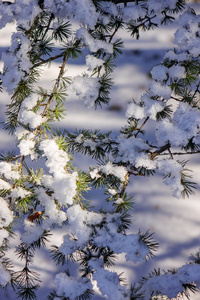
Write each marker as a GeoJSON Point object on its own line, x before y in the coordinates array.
{"type": "Point", "coordinates": [52, 193]}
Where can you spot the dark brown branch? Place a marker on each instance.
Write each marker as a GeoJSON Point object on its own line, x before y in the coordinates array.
{"type": "Point", "coordinates": [56, 85]}
{"type": "Point", "coordinates": [21, 163]}
{"type": "Point", "coordinates": [197, 90]}
{"type": "Point", "coordinates": [46, 61]}
{"type": "Point", "coordinates": [170, 153]}
{"type": "Point", "coordinates": [110, 39]}
{"type": "Point", "coordinates": [174, 98]}
{"type": "Point", "coordinates": [159, 151]}
{"type": "Point", "coordinates": [50, 19]}
{"type": "Point", "coordinates": [139, 130]}
{"type": "Point", "coordinates": [47, 105]}
{"type": "Point", "coordinates": [182, 153]}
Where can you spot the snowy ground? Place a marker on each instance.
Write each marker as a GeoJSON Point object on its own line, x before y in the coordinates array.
{"type": "Point", "coordinates": [176, 223]}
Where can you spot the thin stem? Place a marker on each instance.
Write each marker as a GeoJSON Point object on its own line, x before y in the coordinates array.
{"type": "Point", "coordinates": [109, 41]}
{"type": "Point", "coordinates": [79, 201]}
{"type": "Point", "coordinates": [21, 163]}
{"type": "Point", "coordinates": [197, 90]}
{"type": "Point", "coordinates": [124, 185]}
{"type": "Point", "coordinates": [44, 61]}
{"type": "Point", "coordinates": [181, 153]}
{"type": "Point", "coordinates": [54, 89]}
{"type": "Point", "coordinates": [55, 86]}
{"type": "Point", "coordinates": [50, 19]}
{"type": "Point", "coordinates": [13, 158]}
{"type": "Point", "coordinates": [159, 151]}
{"type": "Point", "coordinates": [139, 130]}
{"type": "Point", "coordinates": [170, 153]}
{"type": "Point", "coordinates": [174, 98]}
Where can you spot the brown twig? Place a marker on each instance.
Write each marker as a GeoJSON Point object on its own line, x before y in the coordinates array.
{"type": "Point", "coordinates": [139, 130]}
{"type": "Point", "coordinates": [124, 184]}
{"type": "Point", "coordinates": [197, 90]}
{"type": "Point", "coordinates": [44, 61]}
{"type": "Point", "coordinates": [182, 153]}
{"type": "Point", "coordinates": [44, 113]}
{"type": "Point", "coordinates": [159, 151]}
{"type": "Point", "coordinates": [109, 41]}
{"type": "Point", "coordinates": [174, 98]}
{"type": "Point", "coordinates": [21, 163]}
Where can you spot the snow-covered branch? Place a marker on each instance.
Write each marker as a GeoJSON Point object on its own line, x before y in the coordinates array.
{"type": "Point", "coordinates": [43, 189]}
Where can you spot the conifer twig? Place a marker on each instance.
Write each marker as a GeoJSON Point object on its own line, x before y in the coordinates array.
{"type": "Point", "coordinates": [44, 61]}
{"type": "Point", "coordinates": [124, 184]}
{"type": "Point", "coordinates": [139, 130]}
{"type": "Point", "coordinates": [160, 150]}
{"type": "Point", "coordinates": [182, 153]}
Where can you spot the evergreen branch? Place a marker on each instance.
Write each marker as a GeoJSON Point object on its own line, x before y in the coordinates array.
{"type": "Point", "coordinates": [124, 205]}
{"type": "Point", "coordinates": [21, 163]}
{"type": "Point", "coordinates": [165, 113]}
{"type": "Point", "coordinates": [148, 240]}
{"type": "Point", "coordinates": [56, 86]}
{"type": "Point", "coordinates": [134, 29]}
{"type": "Point", "coordinates": [189, 287]}
{"type": "Point", "coordinates": [118, 25]}
{"type": "Point", "coordinates": [144, 172]}
{"type": "Point", "coordinates": [188, 186]}
{"type": "Point", "coordinates": [179, 5]}
{"type": "Point", "coordinates": [9, 157]}
{"type": "Point", "coordinates": [26, 280]}
{"type": "Point", "coordinates": [62, 31]}
{"type": "Point", "coordinates": [136, 292]}
{"type": "Point", "coordinates": [47, 27]}
{"type": "Point", "coordinates": [57, 256]}
{"type": "Point", "coordinates": [60, 195]}
{"type": "Point", "coordinates": [65, 57]}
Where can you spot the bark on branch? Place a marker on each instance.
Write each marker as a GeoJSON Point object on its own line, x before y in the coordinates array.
{"type": "Point", "coordinates": [159, 151]}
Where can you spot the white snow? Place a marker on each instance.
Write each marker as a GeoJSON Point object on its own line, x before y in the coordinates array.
{"type": "Point", "coordinates": [159, 73]}
{"type": "Point", "coordinates": [170, 285]}
{"type": "Point", "coordinates": [118, 171]}
{"type": "Point", "coordinates": [71, 287]}
{"type": "Point", "coordinates": [4, 275]}
{"type": "Point", "coordinates": [86, 88]}
{"type": "Point", "coordinates": [31, 118]}
{"type": "Point", "coordinates": [63, 183]}
{"type": "Point", "coordinates": [93, 44]}
{"type": "Point", "coordinates": [6, 215]}
{"type": "Point", "coordinates": [8, 170]}
{"type": "Point", "coordinates": [93, 62]}
{"type": "Point", "coordinates": [32, 232]}
{"type": "Point", "coordinates": [176, 72]}
{"type": "Point", "coordinates": [108, 284]}
{"type": "Point", "coordinates": [19, 192]}
{"type": "Point", "coordinates": [4, 185]}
